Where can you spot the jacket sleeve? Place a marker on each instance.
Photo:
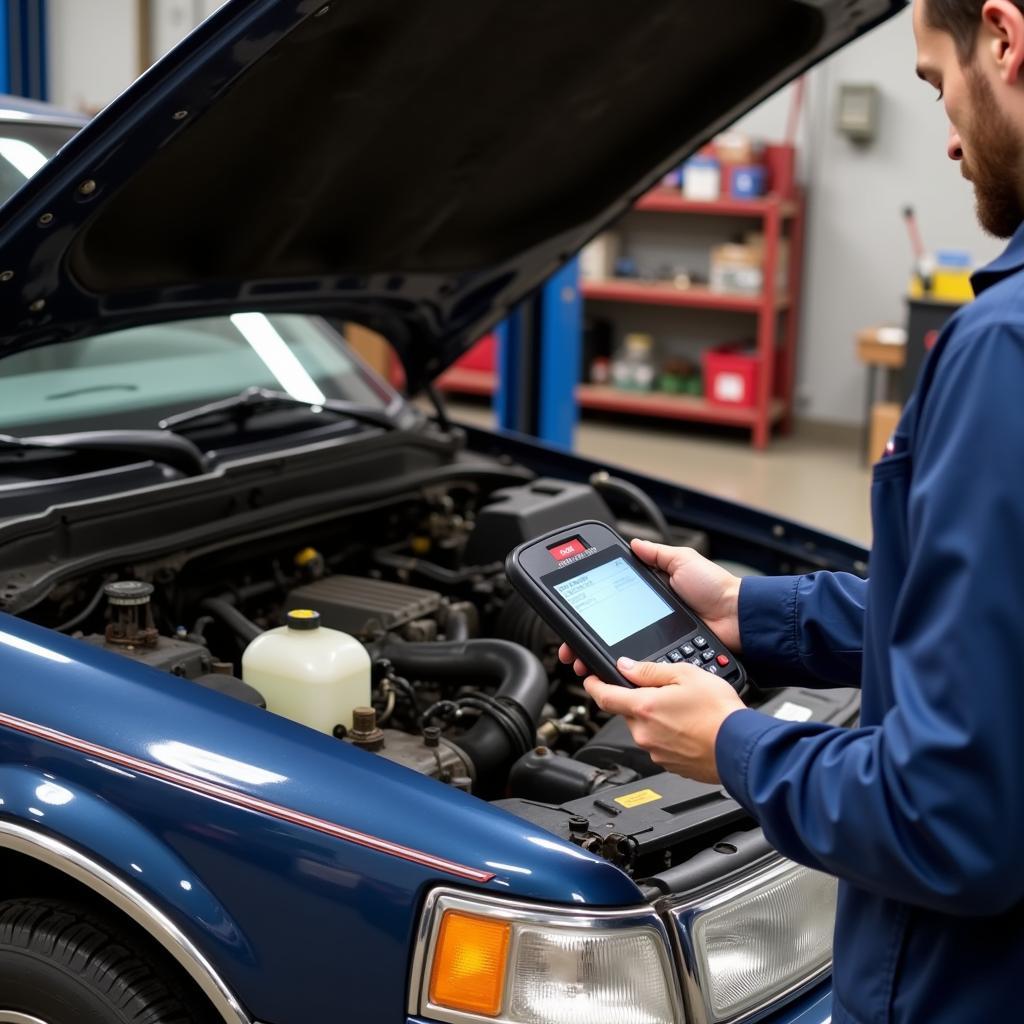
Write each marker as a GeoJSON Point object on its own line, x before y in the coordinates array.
{"type": "Point", "coordinates": [803, 630]}
{"type": "Point", "coordinates": [928, 806]}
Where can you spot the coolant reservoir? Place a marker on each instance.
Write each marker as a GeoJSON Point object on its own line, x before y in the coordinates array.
{"type": "Point", "coordinates": [309, 673]}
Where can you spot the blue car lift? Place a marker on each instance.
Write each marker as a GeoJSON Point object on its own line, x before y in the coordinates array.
{"type": "Point", "coordinates": [539, 355]}
{"type": "Point", "coordinates": [23, 69]}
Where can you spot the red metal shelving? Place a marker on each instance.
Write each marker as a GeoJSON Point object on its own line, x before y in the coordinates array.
{"type": "Point", "coordinates": [670, 200]}
{"type": "Point", "coordinates": [655, 293]}
{"type": "Point", "coordinates": [467, 382]}
{"type": "Point", "coordinates": [774, 404]}
{"type": "Point", "coordinates": [774, 399]}
{"type": "Point", "coordinates": [674, 407]}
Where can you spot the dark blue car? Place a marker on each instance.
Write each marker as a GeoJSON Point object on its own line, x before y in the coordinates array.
{"type": "Point", "coordinates": [192, 459]}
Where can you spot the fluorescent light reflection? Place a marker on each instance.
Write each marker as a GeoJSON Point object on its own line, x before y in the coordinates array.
{"type": "Point", "coordinates": [22, 156]}
{"type": "Point", "coordinates": [208, 765]}
{"type": "Point", "coordinates": [498, 866]}
{"type": "Point", "coordinates": [30, 648]}
{"type": "Point", "coordinates": [278, 358]}
{"type": "Point", "coordinates": [51, 793]}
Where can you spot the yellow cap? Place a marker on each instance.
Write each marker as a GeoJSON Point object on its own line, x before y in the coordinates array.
{"type": "Point", "coordinates": [469, 964]}
{"type": "Point", "coordinates": [305, 556]}
{"type": "Point", "coordinates": [303, 618]}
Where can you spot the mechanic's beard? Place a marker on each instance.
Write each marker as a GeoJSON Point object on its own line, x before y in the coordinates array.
{"type": "Point", "coordinates": [995, 163]}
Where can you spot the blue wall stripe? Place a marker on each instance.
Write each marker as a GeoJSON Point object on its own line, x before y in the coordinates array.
{"type": "Point", "coordinates": [5, 56]}
{"type": "Point", "coordinates": [24, 48]}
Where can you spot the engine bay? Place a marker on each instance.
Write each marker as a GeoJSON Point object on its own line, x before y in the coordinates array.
{"type": "Point", "coordinates": [464, 683]}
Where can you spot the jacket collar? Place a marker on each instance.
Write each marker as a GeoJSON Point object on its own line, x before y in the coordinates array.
{"type": "Point", "coordinates": [1011, 260]}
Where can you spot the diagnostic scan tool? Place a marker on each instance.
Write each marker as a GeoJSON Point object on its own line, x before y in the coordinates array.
{"type": "Point", "coordinates": [585, 582]}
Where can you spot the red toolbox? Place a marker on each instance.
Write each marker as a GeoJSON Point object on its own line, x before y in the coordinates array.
{"type": "Point", "coordinates": [731, 374]}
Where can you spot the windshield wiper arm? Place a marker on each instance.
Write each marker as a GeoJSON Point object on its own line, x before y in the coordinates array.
{"type": "Point", "coordinates": [255, 400]}
{"type": "Point", "coordinates": [152, 445]}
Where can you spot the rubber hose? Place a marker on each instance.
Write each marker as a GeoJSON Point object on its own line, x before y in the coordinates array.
{"type": "Point", "coordinates": [77, 620]}
{"type": "Point", "coordinates": [463, 621]}
{"type": "Point", "coordinates": [602, 481]}
{"type": "Point", "coordinates": [520, 677]}
{"type": "Point", "coordinates": [223, 609]}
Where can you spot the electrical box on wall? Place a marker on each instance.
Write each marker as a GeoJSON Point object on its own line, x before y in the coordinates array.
{"type": "Point", "coordinates": [859, 107]}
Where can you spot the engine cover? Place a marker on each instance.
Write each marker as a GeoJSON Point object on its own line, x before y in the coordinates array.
{"type": "Point", "coordinates": [361, 606]}
{"type": "Point", "coordinates": [186, 661]}
{"type": "Point", "coordinates": [442, 760]}
{"type": "Point", "coordinates": [517, 514]}
{"type": "Point", "coordinates": [652, 815]}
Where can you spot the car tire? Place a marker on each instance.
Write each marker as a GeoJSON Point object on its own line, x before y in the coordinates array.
{"type": "Point", "coordinates": [65, 964]}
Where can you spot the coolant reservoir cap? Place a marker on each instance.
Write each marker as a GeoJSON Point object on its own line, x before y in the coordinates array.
{"type": "Point", "coordinates": [303, 618]}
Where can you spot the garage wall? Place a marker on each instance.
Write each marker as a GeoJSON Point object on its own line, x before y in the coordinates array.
{"type": "Point", "coordinates": [858, 254]}
{"type": "Point", "coordinates": [93, 51]}
{"type": "Point", "coordinates": [94, 44]}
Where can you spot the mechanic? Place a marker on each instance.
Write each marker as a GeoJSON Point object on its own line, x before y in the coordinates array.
{"type": "Point", "coordinates": [920, 811]}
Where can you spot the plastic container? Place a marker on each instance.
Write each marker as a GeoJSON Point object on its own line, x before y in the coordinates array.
{"type": "Point", "coordinates": [731, 374]}
{"type": "Point", "coordinates": [748, 182]}
{"type": "Point", "coordinates": [634, 367]}
{"type": "Point", "coordinates": [674, 178]}
{"type": "Point", "coordinates": [308, 673]}
{"type": "Point", "coordinates": [702, 179]}
{"type": "Point", "coordinates": [737, 270]}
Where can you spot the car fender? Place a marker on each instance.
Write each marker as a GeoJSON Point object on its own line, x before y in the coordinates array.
{"type": "Point", "coordinates": [52, 820]}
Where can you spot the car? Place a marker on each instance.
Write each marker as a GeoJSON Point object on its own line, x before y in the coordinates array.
{"type": "Point", "coordinates": [195, 469]}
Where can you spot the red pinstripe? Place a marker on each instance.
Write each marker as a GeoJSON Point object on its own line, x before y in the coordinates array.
{"type": "Point", "coordinates": [251, 803]}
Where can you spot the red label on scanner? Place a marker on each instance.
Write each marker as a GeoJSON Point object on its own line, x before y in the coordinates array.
{"type": "Point", "coordinates": [568, 548]}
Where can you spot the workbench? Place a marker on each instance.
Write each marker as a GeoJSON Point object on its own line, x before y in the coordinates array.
{"type": "Point", "coordinates": [878, 350]}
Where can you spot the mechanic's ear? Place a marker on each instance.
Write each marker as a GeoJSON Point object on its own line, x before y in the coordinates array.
{"type": "Point", "coordinates": [1002, 26]}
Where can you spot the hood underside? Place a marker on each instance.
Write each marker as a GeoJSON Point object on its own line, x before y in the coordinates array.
{"type": "Point", "coordinates": [416, 167]}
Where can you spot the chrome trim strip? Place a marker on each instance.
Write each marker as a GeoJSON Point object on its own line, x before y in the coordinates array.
{"type": "Point", "coordinates": [249, 803]}
{"type": "Point", "coordinates": [116, 891]}
{"type": "Point", "coordinates": [682, 915]}
{"type": "Point", "coordinates": [516, 911]}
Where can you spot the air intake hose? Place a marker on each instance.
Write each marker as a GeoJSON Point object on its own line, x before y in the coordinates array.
{"type": "Point", "coordinates": [522, 686]}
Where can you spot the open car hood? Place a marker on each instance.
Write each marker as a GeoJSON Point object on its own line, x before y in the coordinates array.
{"type": "Point", "coordinates": [416, 167]}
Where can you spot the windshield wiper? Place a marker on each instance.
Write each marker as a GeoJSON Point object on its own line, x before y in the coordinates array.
{"type": "Point", "coordinates": [256, 400]}
{"type": "Point", "coordinates": [152, 445]}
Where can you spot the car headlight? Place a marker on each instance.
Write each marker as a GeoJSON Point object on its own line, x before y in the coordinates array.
{"type": "Point", "coordinates": [480, 958]}
{"type": "Point", "coordinates": [748, 945]}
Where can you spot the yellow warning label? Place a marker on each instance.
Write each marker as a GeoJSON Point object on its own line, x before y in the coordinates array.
{"type": "Point", "coordinates": [640, 797]}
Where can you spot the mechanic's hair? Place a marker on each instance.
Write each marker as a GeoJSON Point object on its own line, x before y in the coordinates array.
{"type": "Point", "coordinates": [961, 19]}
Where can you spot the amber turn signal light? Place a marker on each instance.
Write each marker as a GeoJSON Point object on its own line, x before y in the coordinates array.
{"type": "Point", "coordinates": [469, 963]}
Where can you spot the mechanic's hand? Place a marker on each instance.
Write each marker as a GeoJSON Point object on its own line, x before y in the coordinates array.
{"type": "Point", "coordinates": [712, 592]}
{"type": "Point", "coordinates": [674, 714]}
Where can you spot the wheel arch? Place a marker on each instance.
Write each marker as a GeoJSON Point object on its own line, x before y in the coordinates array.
{"type": "Point", "coordinates": [81, 874]}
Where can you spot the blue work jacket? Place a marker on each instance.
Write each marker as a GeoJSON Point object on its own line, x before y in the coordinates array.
{"type": "Point", "coordinates": [920, 811]}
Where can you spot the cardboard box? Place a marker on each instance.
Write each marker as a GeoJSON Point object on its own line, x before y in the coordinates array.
{"type": "Point", "coordinates": [370, 347]}
{"type": "Point", "coordinates": [884, 417]}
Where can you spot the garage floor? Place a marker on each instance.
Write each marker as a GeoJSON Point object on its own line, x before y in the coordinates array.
{"type": "Point", "coordinates": [815, 476]}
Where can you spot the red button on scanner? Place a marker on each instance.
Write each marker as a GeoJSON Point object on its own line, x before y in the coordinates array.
{"type": "Point", "coordinates": [722, 660]}
{"type": "Point", "coordinates": [560, 552]}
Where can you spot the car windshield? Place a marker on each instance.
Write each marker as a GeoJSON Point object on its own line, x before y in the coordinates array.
{"type": "Point", "coordinates": [24, 148]}
{"type": "Point", "coordinates": [134, 378]}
